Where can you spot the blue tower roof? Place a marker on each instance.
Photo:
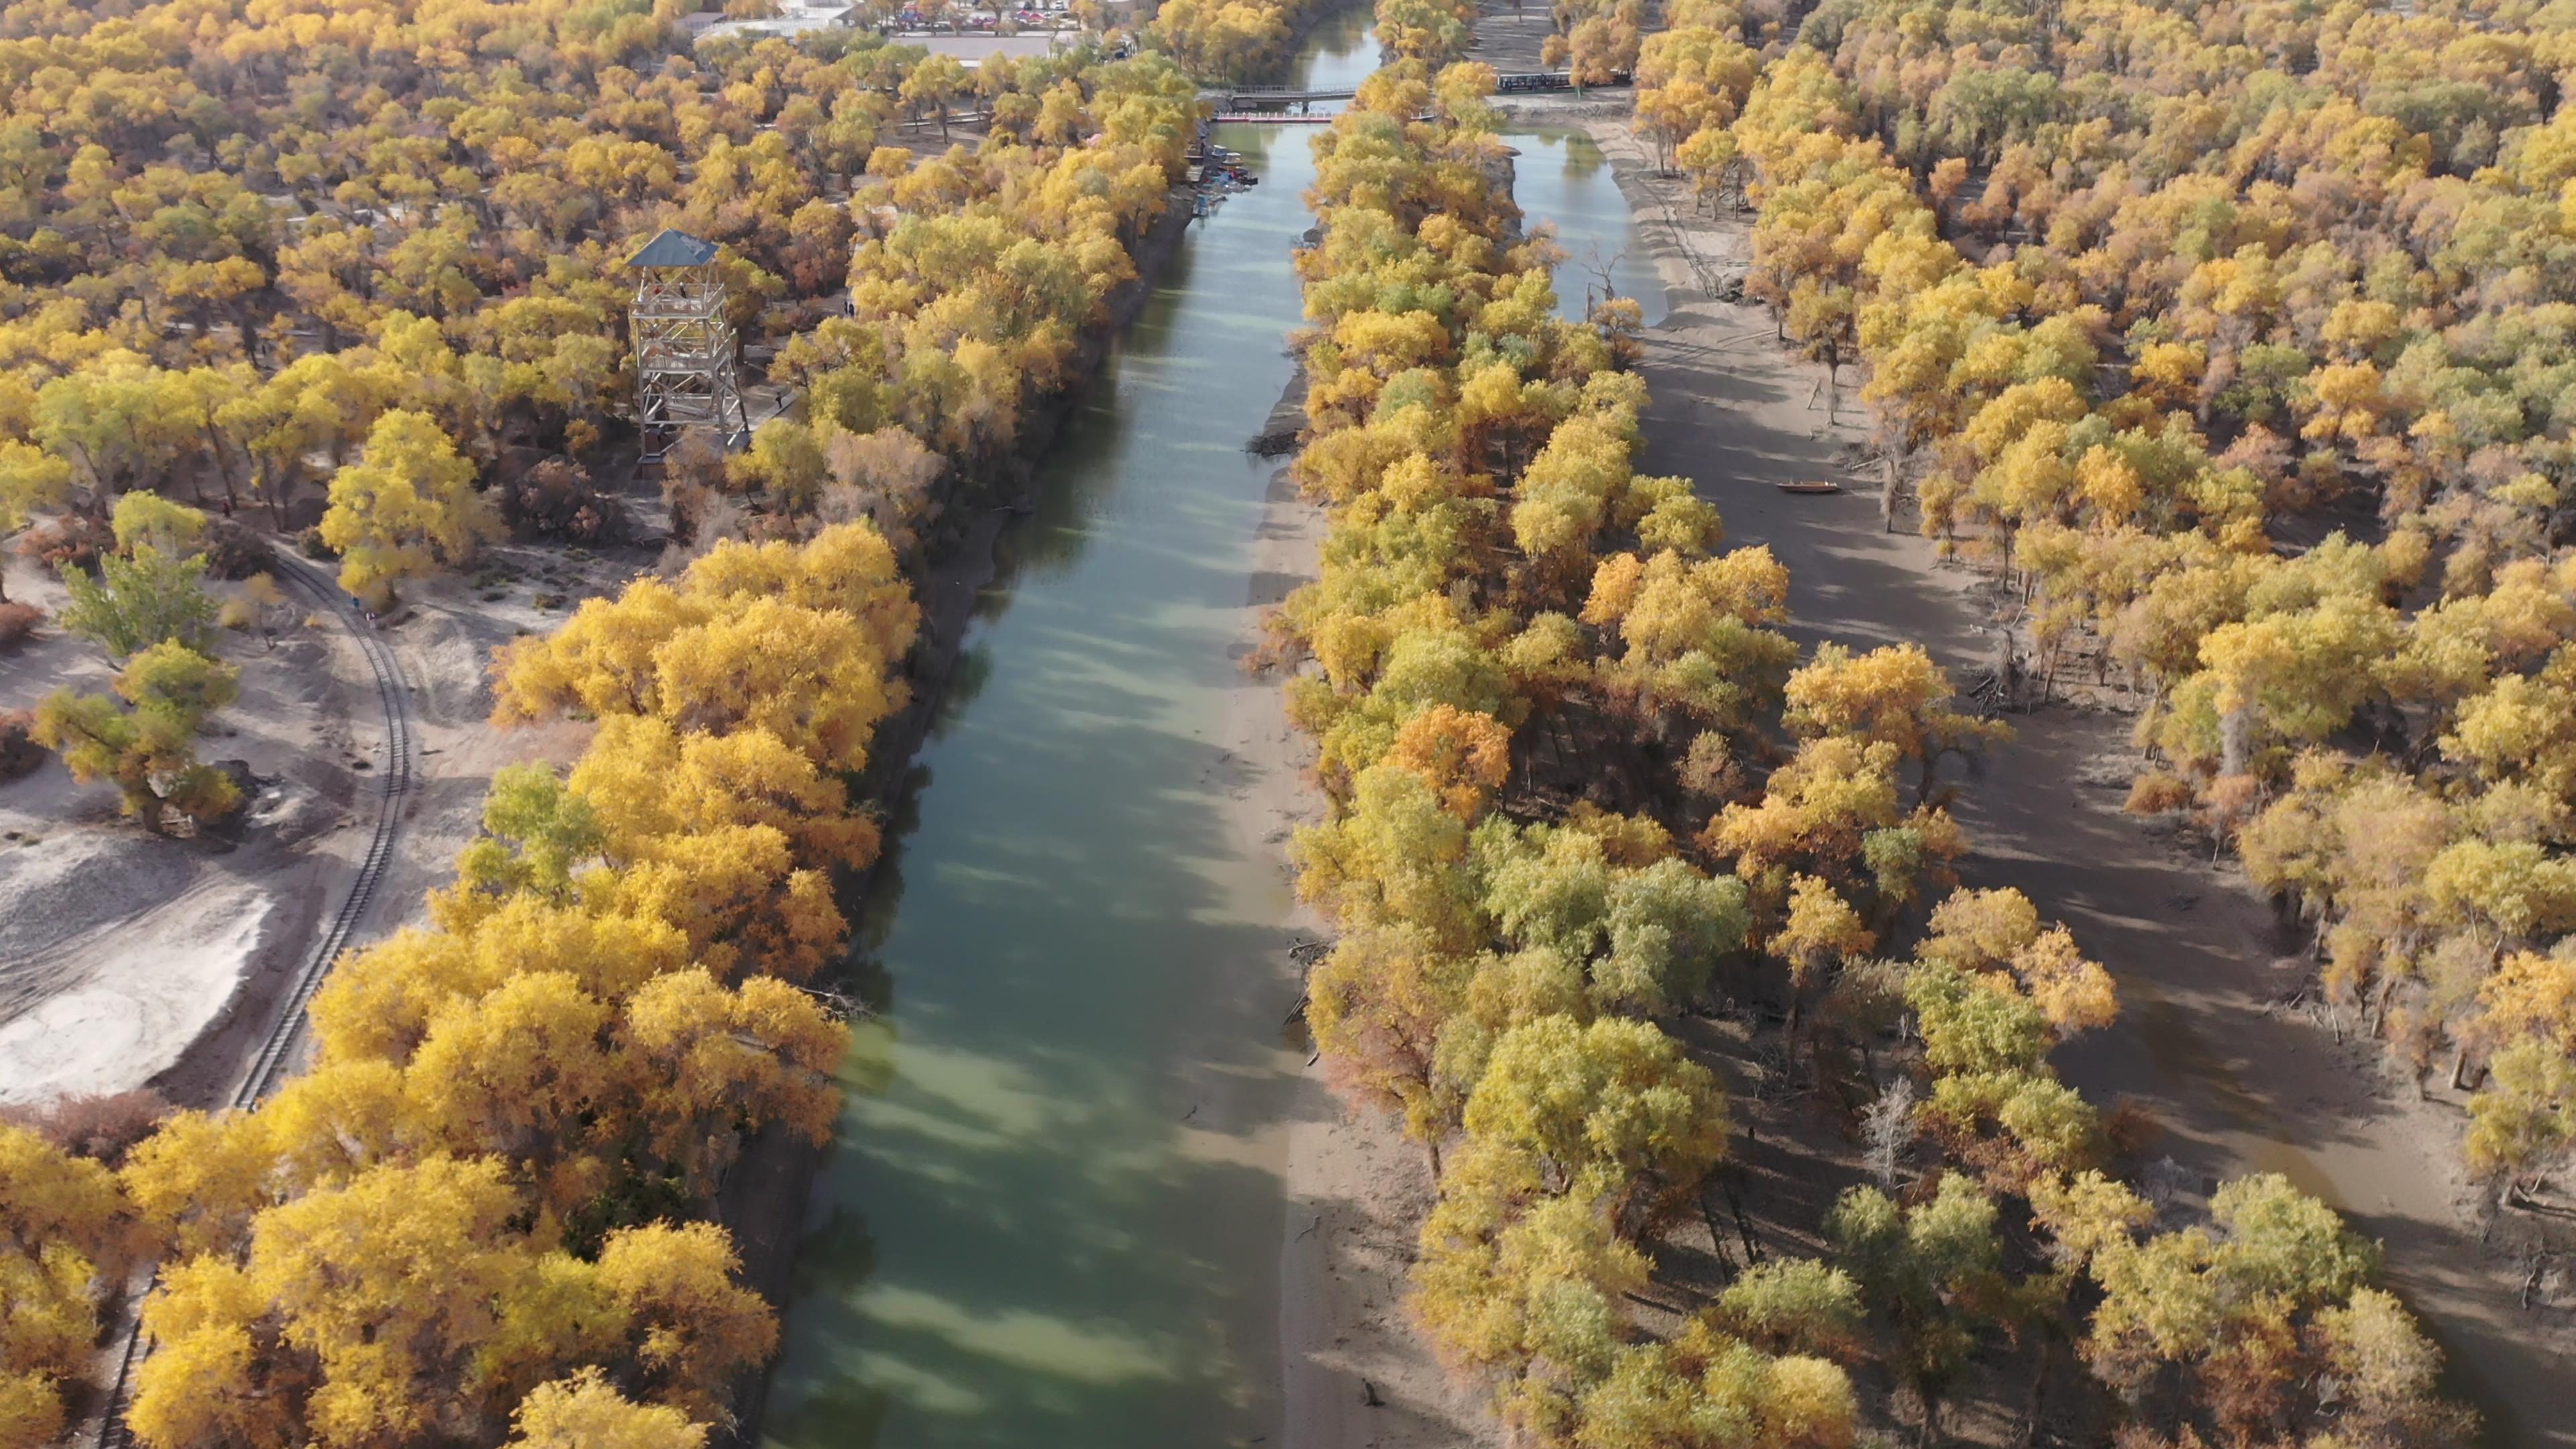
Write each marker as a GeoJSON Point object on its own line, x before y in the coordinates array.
{"type": "Point", "coordinates": [674, 249]}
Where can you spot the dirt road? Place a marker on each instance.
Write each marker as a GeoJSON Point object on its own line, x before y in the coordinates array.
{"type": "Point", "coordinates": [2240, 1082]}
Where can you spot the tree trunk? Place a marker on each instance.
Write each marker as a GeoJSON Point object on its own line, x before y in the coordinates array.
{"type": "Point", "coordinates": [2235, 739]}
{"type": "Point", "coordinates": [223, 468]}
{"type": "Point", "coordinates": [1743, 1229]}
{"type": "Point", "coordinates": [1797, 1018]}
{"type": "Point", "coordinates": [2038, 1392]}
{"type": "Point", "coordinates": [1716, 1234]}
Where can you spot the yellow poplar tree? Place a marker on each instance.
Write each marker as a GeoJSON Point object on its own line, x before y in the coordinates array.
{"type": "Point", "coordinates": [406, 508]}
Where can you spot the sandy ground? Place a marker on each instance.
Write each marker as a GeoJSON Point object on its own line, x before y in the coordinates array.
{"type": "Point", "coordinates": [1353, 1370]}
{"type": "Point", "coordinates": [444, 642]}
{"type": "Point", "coordinates": [128, 961]}
{"type": "Point", "coordinates": [2240, 1081]}
{"type": "Point", "coordinates": [117, 949]}
{"type": "Point", "coordinates": [1509, 37]}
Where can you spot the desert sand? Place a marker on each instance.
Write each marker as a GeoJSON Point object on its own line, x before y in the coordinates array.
{"type": "Point", "coordinates": [128, 960]}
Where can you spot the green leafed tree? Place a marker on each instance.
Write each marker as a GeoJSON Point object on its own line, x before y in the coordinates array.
{"type": "Point", "coordinates": [536, 834]}
{"type": "Point", "coordinates": [147, 748]}
{"type": "Point", "coordinates": [1705, 1389]}
{"type": "Point", "coordinates": [1933, 1269]}
{"type": "Point", "coordinates": [1609, 1109]}
{"type": "Point", "coordinates": [143, 599]}
{"type": "Point", "coordinates": [2264, 1318]}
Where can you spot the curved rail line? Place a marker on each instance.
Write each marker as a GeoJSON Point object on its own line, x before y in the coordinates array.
{"type": "Point", "coordinates": [269, 1064]}
{"type": "Point", "coordinates": [394, 695]}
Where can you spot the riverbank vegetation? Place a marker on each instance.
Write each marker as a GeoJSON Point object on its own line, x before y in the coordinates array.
{"type": "Point", "coordinates": [2253, 403]}
{"type": "Point", "coordinates": [362, 268]}
{"type": "Point", "coordinates": [1585, 795]}
{"type": "Point", "coordinates": [1231, 40]}
{"type": "Point", "coordinates": [493, 1184]}
{"type": "Point", "coordinates": [1497, 976]}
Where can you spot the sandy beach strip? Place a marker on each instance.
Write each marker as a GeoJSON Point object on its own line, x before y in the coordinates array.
{"type": "Point", "coordinates": [1353, 1371]}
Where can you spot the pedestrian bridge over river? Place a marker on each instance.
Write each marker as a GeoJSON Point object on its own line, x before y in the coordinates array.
{"type": "Point", "coordinates": [1233, 101]}
{"type": "Point", "coordinates": [1254, 98]}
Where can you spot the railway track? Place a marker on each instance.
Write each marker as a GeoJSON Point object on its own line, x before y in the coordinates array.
{"type": "Point", "coordinates": [270, 1062]}
{"type": "Point", "coordinates": [268, 1065]}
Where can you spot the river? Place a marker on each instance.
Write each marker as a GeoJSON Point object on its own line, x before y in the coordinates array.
{"type": "Point", "coordinates": [1053, 1213]}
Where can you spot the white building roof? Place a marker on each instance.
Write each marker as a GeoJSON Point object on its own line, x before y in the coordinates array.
{"type": "Point", "coordinates": [793, 18]}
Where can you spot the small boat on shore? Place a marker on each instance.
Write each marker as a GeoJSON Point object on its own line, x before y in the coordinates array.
{"type": "Point", "coordinates": [1816, 486]}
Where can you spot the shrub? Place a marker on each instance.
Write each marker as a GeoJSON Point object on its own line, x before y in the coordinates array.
{"type": "Point", "coordinates": [234, 550]}
{"type": "Point", "coordinates": [103, 1127]}
{"type": "Point", "coordinates": [556, 498]}
{"type": "Point", "coordinates": [19, 752]}
{"type": "Point", "coordinates": [17, 621]}
{"type": "Point", "coordinates": [311, 545]}
{"type": "Point", "coordinates": [68, 543]}
{"type": "Point", "coordinates": [2156, 792]}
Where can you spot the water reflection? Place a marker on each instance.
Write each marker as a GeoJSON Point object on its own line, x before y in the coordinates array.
{"type": "Point", "coordinates": [1031, 1233]}
{"type": "Point", "coordinates": [1561, 179]}
{"type": "Point", "coordinates": [1342, 52]}
{"type": "Point", "coordinates": [1027, 1234]}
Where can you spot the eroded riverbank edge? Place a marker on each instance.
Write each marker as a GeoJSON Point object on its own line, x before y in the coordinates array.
{"type": "Point", "coordinates": [766, 1200]}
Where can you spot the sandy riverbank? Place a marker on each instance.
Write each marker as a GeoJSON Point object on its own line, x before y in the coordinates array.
{"type": "Point", "coordinates": [1353, 1371]}
{"type": "Point", "coordinates": [2239, 1080]}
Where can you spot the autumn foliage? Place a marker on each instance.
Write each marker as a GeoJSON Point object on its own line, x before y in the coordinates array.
{"type": "Point", "coordinates": [487, 1198]}
{"type": "Point", "coordinates": [1581, 787]}
{"type": "Point", "coordinates": [353, 261]}
{"type": "Point", "coordinates": [1228, 40]}
{"type": "Point", "coordinates": [1503, 602]}
{"type": "Point", "coordinates": [344, 261]}
{"type": "Point", "coordinates": [2247, 394]}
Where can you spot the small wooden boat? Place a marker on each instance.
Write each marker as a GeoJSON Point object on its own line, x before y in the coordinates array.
{"type": "Point", "coordinates": [1818, 486]}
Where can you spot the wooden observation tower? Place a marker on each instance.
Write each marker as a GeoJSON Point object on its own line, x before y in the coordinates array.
{"type": "Point", "coordinates": [684, 346]}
